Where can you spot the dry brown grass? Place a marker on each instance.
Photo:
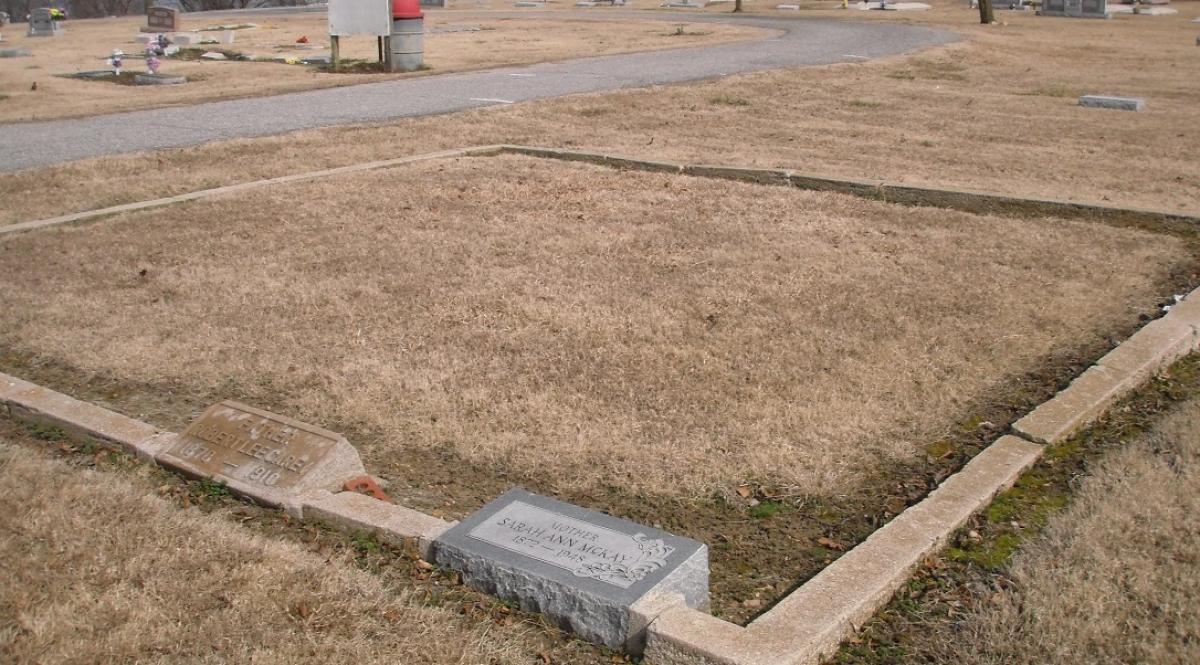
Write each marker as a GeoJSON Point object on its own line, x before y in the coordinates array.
{"type": "Point", "coordinates": [575, 326]}
{"type": "Point", "coordinates": [87, 43]}
{"type": "Point", "coordinates": [98, 569]}
{"type": "Point", "coordinates": [996, 113]}
{"type": "Point", "coordinates": [1113, 579]}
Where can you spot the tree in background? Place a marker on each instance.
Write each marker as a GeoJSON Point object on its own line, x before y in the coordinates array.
{"type": "Point", "coordinates": [986, 15]}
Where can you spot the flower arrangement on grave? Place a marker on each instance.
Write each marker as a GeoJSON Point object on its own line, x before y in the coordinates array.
{"type": "Point", "coordinates": [116, 60]}
{"type": "Point", "coordinates": [57, 14]}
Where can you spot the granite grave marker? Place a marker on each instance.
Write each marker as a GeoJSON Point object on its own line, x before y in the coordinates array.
{"type": "Point", "coordinates": [582, 569]}
{"type": "Point", "coordinates": [1075, 8]}
{"type": "Point", "coordinates": [161, 19]}
{"type": "Point", "coordinates": [42, 23]}
{"type": "Point", "coordinates": [265, 456]}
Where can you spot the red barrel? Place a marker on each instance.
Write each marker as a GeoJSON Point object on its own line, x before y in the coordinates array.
{"type": "Point", "coordinates": [406, 9]}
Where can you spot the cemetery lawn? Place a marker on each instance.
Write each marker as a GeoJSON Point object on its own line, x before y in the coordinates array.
{"type": "Point", "coordinates": [997, 113]}
{"type": "Point", "coordinates": [107, 560]}
{"type": "Point", "coordinates": [703, 355]}
{"type": "Point", "coordinates": [1090, 559]}
{"type": "Point", "coordinates": [455, 44]}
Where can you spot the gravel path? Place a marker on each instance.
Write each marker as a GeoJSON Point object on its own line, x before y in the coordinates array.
{"type": "Point", "coordinates": [801, 42]}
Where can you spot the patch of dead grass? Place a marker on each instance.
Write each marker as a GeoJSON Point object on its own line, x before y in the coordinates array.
{"type": "Point", "coordinates": [991, 124]}
{"type": "Point", "coordinates": [96, 569]}
{"type": "Point", "coordinates": [1113, 578]}
{"type": "Point", "coordinates": [575, 327]}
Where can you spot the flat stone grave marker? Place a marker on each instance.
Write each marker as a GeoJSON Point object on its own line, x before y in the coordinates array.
{"type": "Point", "coordinates": [161, 19]}
{"type": "Point", "coordinates": [158, 79]}
{"type": "Point", "coordinates": [582, 569]}
{"type": "Point", "coordinates": [262, 455]}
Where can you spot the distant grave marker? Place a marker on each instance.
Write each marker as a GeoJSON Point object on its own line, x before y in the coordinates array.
{"type": "Point", "coordinates": [583, 569]}
{"type": "Point", "coordinates": [42, 23]}
{"type": "Point", "coordinates": [261, 454]}
{"type": "Point", "coordinates": [1075, 8]}
{"type": "Point", "coordinates": [161, 19]}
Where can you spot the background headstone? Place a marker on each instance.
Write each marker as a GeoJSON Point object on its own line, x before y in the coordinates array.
{"type": "Point", "coordinates": [1075, 8]}
{"type": "Point", "coordinates": [161, 19]}
{"type": "Point", "coordinates": [42, 25]}
{"type": "Point", "coordinates": [582, 569]}
{"type": "Point", "coordinates": [262, 455]}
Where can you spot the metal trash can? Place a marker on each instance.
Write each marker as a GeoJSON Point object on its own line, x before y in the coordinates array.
{"type": "Point", "coordinates": [407, 43]}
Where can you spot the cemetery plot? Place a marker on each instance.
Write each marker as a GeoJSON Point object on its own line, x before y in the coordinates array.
{"type": "Point", "coordinates": [634, 343]}
{"type": "Point", "coordinates": [283, 44]}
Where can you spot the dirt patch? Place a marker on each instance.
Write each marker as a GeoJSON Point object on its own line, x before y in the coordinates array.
{"type": "Point", "coordinates": [559, 225]}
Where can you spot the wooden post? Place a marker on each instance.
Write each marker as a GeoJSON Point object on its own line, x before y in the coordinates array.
{"type": "Point", "coordinates": [334, 56]}
{"type": "Point", "coordinates": [379, 41]}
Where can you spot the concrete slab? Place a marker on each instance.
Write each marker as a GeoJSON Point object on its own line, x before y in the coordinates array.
{"type": "Point", "coordinates": [32, 402]}
{"type": "Point", "coordinates": [393, 524]}
{"type": "Point", "coordinates": [1152, 349]}
{"type": "Point", "coordinates": [1075, 407]}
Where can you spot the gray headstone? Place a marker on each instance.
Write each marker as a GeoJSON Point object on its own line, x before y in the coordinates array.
{"type": "Point", "coordinates": [19, 52]}
{"type": "Point", "coordinates": [1110, 102]}
{"type": "Point", "coordinates": [1075, 8]}
{"type": "Point", "coordinates": [161, 19]}
{"type": "Point", "coordinates": [582, 569]}
{"type": "Point", "coordinates": [41, 25]}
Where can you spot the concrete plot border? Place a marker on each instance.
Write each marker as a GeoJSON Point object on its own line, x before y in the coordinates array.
{"type": "Point", "coordinates": [965, 200]}
{"type": "Point", "coordinates": [88, 215]}
{"type": "Point", "coordinates": [350, 512]}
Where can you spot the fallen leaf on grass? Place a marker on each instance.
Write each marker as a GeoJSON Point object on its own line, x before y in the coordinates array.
{"type": "Point", "coordinates": [830, 543]}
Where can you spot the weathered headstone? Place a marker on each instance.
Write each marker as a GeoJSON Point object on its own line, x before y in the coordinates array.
{"type": "Point", "coordinates": [161, 19]}
{"type": "Point", "coordinates": [583, 569]}
{"type": "Point", "coordinates": [1075, 8]}
{"type": "Point", "coordinates": [262, 455]}
{"type": "Point", "coordinates": [42, 23]}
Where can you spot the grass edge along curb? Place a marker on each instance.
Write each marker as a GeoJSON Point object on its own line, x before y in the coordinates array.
{"type": "Point", "coordinates": [811, 622]}
{"type": "Point", "coordinates": [970, 201]}
{"type": "Point", "coordinates": [242, 186]}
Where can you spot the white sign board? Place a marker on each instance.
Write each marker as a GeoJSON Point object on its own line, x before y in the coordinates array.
{"type": "Point", "coordinates": [360, 17]}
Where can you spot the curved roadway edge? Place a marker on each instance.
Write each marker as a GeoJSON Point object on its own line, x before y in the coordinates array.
{"type": "Point", "coordinates": [801, 42]}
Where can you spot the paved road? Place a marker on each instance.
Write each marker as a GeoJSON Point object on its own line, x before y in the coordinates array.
{"type": "Point", "coordinates": [801, 42]}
